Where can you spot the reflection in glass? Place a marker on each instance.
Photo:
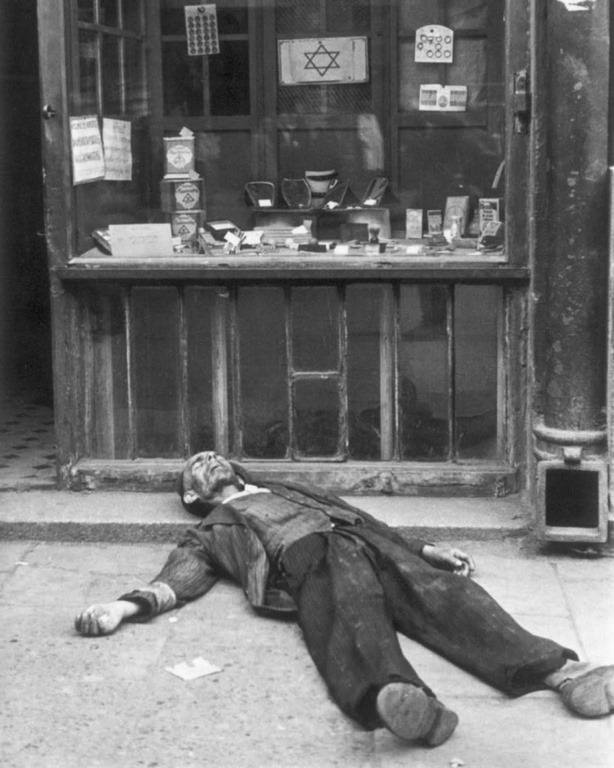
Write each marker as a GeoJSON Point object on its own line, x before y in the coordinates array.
{"type": "Point", "coordinates": [475, 323]}
{"type": "Point", "coordinates": [263, 372]}
{"type": "Point", "coordinates": [85, 11]}
{"type": "Point", "coordinates": [111, 82]}
{"type": "Point", "coordinates": [229, 79]}
{"type": "Point", "coordinates": [183, 81]}
{"type": "Point", "coordinates": [88, 72]}
{"type": "Point", "coordinates": [136, 85]}
{"type": "Point", "coordinates": [364, 304]}
{"type": "Point", "coordinates": [109, 13]}
{"type": "Point", "coordinates": [155, 359]}
{"type": "Point", "coordinates": [316, 417]}
{"type": "Point", "coordinates": [132, 12]}
{"type": "Point", "coordinates": [315, 329]}
{"type": "Point", "coordinates": [423, 373]}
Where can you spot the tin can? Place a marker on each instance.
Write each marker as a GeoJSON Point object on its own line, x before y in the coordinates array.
{"type": "Point", "coordinates": [182, 195]}
{"type": "Point", "coordinates": [185, 225]}
{"type": "Point", "coordinates": [178, 156]}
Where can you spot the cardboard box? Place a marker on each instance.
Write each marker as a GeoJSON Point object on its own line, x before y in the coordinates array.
{"type": "Point", "coordinates": [434, 222]}
{"type": "Point", "coordinates": [182, 195]}
{"type": "Point", "coordinates": [178, 157]}
{"type": "Point", "coordinates": [413, 223]}
{"type": "Point", "coordinates": [489, 209]}
{"type": "Point", "coordinates": [457, 207]}
{"type": "Point", "coordinates": [185, 225]}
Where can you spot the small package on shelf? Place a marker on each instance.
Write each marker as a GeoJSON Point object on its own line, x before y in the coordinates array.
{"type": "Point", "coordinates": [489, 209]}
{"type": "Point", "coordinates": [182, 194]}
{"type": "Point", "coordinates": [434, 222]}
{"type": "Point", "coordinates": [457, 209]}
{"type": "Point", "coordinates": [179, 156]}
{"type": "Point", "coordinates": [413, 223]}
{"type": "Point", "coordinates": [185, 224]}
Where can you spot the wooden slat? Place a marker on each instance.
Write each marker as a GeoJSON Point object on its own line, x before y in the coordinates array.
{"type": "Point", "coordinates": [219, 366]}
{"type": "Point", "coordinates": [610, 360]}
{"type": "Point", "coordinates": [130, 383]}
{"type": "Point", "coordinates": [182, 340]}
{"type": "Point", "coordinates": [103, 392]}
{"type": "Point", "coordinates": [344, 428]}
{"type": "Point", "coordinates": [387, 376]}
{"type": "Point", "coordinates": [451, 337]}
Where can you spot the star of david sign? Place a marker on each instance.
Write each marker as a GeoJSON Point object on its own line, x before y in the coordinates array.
{"type": "Point", "coordinates": [326, 60]}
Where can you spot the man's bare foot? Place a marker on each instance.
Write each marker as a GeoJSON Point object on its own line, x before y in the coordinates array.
{"type": "Point", "coordinates": [104, 618]}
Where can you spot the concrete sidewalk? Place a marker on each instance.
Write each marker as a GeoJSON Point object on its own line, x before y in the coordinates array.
{"type": "Point", "coordinates": [72, 702]}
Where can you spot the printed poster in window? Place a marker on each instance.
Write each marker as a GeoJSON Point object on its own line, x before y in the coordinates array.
{"type": "Point", "coordinates": [86, 149]}
{"type": "Point", "coordinates": [117, 149]}
{"type": "Point", "coordinates": [323, 60]}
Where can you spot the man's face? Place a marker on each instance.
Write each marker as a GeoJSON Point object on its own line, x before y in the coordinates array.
{"type": "Point", "coordinates": [205, 475]}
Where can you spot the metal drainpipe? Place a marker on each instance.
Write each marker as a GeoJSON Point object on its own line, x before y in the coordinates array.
{"type": "Point", "coordinates": [570, 262]}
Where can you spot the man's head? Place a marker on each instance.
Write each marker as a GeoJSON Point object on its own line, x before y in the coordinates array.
{"type": "Point", "coordinates": [205, 481]}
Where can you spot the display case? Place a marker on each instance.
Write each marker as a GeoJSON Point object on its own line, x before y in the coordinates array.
{"type": "Point", "coordinates": [373, 359]}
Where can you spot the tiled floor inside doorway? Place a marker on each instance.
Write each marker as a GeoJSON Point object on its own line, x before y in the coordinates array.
{"type": "Point", "coordinates": [27, 442]}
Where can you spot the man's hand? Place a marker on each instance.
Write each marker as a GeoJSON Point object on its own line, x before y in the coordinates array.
{"type": "Point", "coordinates": [454, 560]}
{"type": "Point", "coordinates": [104, 618]}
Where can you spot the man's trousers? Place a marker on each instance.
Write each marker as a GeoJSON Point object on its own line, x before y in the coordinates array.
{"type": "Point", "coordinates": [355, 588]}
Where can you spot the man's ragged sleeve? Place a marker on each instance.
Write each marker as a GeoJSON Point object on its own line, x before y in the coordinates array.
{"type": "Point", "coordinates": [188, 573]}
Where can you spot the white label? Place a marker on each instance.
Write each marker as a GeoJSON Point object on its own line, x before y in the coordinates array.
{"type": "Point", "coordinates": [434, 44]}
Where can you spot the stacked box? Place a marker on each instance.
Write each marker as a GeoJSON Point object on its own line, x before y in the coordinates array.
{"type": "Point", "coordinates": [182, 194]}
{"type": "Point", "coordinates": [178, 157]}
{"type": "Point", "coordinates": [185, 224]}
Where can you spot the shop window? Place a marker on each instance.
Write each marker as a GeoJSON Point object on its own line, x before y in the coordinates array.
{"type": "Point", "coordinates": [206, 85]}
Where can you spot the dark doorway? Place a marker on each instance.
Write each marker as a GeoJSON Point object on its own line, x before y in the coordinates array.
{"type": "Point", "coordinates": [25, 333]}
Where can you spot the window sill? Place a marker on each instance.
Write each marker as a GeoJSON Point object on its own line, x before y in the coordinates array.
{"type": "Point", "coordinates": [468, 266]}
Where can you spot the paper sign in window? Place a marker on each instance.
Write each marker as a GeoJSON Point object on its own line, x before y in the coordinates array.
{"type": "Point", "coordinates": [86, 149]}
{"type": "Point", "coordinates": [117, 149]}
{"type": "Point", "coordinates": [323, 60]}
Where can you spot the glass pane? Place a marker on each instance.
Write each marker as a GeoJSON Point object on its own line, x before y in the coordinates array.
{"type": "Point", "coordinates": [198, 304]}
{"type": "Point", "coordinates": [111, 76]}
{"type": "Point", "coordinates": [418, 13]}
{"type": "Point", "coordinates": [229, 79]}
{"type": "Point", "coordinates": [132, 11]}
{"type": "Point", "coordinates": [109, 13]}
{"type": "Point", "coordinates": [88, 73]}
{"type": "Point", "coordinates": [107, 392]}
{"type": "Point", "coordinates": [231, 21]}
{"type": "Point", "coordinates": [136, 85]}
{"type": "Point", "coordinates": [476, 312]}
{"type": "Point", "coordinates": [316, 417]}
{"type": "Point", "coordinates": [155, 357]}
{"type": "Point", "coordinates": [363, 304]}
{"type": "Point", "coordinates": [423, 373]}
{"type": "Point", "coordinates": [85, 11]}
{"type": "Point", "coordinates": [172, 17]}
{"type": "Point", "coordinates": [315, 329]}
{"type": "Point", "coordinates": [182, 81]}
{"type": "Point", "coordinates": [317, 17]}
{"type": "Point", "coordinates": [263, 372]}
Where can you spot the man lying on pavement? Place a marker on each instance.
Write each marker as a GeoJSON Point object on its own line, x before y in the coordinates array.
{"type": "Point", "coordinates": [352, 582]}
